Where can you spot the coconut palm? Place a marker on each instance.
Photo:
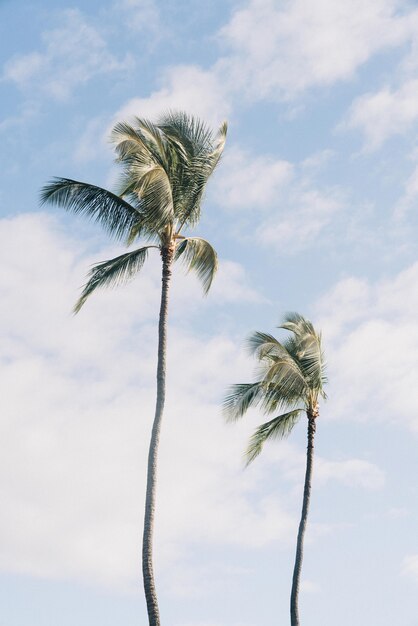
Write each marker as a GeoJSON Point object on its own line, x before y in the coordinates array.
{"type": "Point", "coordinates": [165, 167]}
{"type": "Point", "coordinates": [291, 378]}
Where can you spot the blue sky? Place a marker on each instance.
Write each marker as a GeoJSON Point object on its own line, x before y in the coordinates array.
{"type": "Point", "coordinates": [313, 209]}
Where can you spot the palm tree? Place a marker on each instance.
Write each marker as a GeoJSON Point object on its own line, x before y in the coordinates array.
{"type": "Point", "coordinates": [291, 378]}
{"type": "Point", "coordinates": [165, 168]}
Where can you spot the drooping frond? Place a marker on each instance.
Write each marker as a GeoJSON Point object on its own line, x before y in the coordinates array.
{"type": "Point", "coordinates": [284, 382]}
{"type": "Point", "coordinates": [263, 345]}
{"type": "Point", "coordinates": [240, 398]}
{"type": "Point", "coordinates": [113, 272]}
{"type": "Point", "coordinates": [198, 255]}
{"type": "Point", "coordinates": [142, 141]}
{"type": "Point", "coordinates": [278, 427]}
{"type": "Point", "coordinates": [297, 324]}
{"type": "Point", "coordinates": [115, 214]}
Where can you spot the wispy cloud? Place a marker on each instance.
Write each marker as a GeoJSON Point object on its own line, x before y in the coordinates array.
{"type": "Point", "coordinates": [278, 51]}
{"type": "Point", "coordinates": [373, 346]}
{"type": "Point", "coordinates": [72, 54]}
{"type": "Point", "coordinates": [385, 113]}
{"type": "Point", "coordinates": [185, 87]}
{"type": "Point", "coordinates": [280, 202]}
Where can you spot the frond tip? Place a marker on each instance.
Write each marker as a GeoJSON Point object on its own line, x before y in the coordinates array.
{"type": "Point", "coordinates": [103, 206]}
{"type": "Point", "coordinates": [114, 272]}
{"type": "Point", "coordinates": [279, 427]}
{"type": "Point", "coordinates": [198, 255]}
{"type": "Point", "coordinates": [240, 398]}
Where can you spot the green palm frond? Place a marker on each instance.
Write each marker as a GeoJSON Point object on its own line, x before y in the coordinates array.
{"type": "Point", "coordinates": [284, 388]}
{"type": "Point", "coordinates": [113, 272]}
{"type": "Point", "coordinates": [201, 166]}
{"type": "Point", "coordinates": [306, 349]}
{"type": "Point", "coordinates": [283, 379]}
{"type": "Point", "coordinates": [115, 214]}
{"type": "Point", "coordinates": [198, 255]}
{"type": "Point", "coordinates": [167, 165]}
{"type": "Point", "coordinates": [156, 201]}
{"type": "Point", "coordinates": [133, 144]}
{"type": "Point", "coordinates": [278, 427]}
{"type": "Point", "coordinates": [189, 131]}
{"type": "Point", "coordinates": [290, 374]}
{"type": "Point", "coordinates": [297, 324]}
{"type": "Point", "coordinates": [240, 398]}
{"type": "Point", "coordinates": [263, 345]}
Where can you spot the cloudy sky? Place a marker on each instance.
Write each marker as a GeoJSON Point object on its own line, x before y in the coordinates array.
{"type": "Point", "coordinates": [312, 209]}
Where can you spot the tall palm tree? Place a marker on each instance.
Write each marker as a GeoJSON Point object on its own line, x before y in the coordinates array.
{"type": "Point", "coordinates": [291, 378]}
{"type": "Point", "coordinates": [165, 168]}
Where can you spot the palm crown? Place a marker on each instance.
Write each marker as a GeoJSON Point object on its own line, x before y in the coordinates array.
{"type": "Point", "coordinates": [165, 167]}
{"type": "Point", "coordinates": [290, 378]}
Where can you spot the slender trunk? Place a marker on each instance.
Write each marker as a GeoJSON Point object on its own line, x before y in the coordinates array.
{"type": "Point", "coordinates": [147, 565]}
{"type": "Point", "coordinates": [294, 597]}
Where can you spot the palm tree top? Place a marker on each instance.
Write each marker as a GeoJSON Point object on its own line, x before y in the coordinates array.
{"type": "Point", "coordinates": [290, 378]}
{"type": "Point", "coordinates": [164, 170]}
{"type": "Point", "coordinates": [165, 167]}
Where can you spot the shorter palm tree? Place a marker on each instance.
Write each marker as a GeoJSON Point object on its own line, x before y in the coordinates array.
{"type": "Point", "coordinates": [291, 378]}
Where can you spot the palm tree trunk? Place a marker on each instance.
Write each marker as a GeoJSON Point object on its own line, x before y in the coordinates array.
{"type": "Point", "coordinates": [147, 564]}
{"type": "Point", "coordinates": [294, 597]}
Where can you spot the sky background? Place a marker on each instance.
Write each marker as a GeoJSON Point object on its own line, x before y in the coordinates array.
{"type": "Point", "coordinates": [312, 209]}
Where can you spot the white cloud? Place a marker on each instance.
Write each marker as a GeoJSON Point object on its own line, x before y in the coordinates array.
{"type": "Point", "coordinates": [309, 586]}
{"type": "Point", "coordinates": [251, 182]}
{"type": "Point", "coordinates": [73, 53]}
{"type": "Point", "coordinates": [385, 113]}
{"type": "Point", "coordinates": [278, 51]}
{"type": "Point", "coordinates": [194, 623]}
{"type": "Point", "coordinates": [93, 142]}
{"type": "Point", "coordinates": [372, 347]}
{"type": "Point", "coordinates": [353, 472]}
{"type": "Point", "coordinates": [284, 199]}
{"type": "Point", "coordinates": [185, 87]}
{"type": "Point", "coordinates": [397, 512]}
{"type": "Point", "coordinates": [410, 193]}
{"type": "Point", "coordinates": [77, 404]}
{"type": "Point", "coordinates": [410, 566]}
{"type": "Point", "coordinates": [232, 285]}
{"type": "Point", "coordinates": [308, 212]}
{"type": "Point", "coordinates": [350, 472]}
{"type": "Point", "coordinates": [140, 16]}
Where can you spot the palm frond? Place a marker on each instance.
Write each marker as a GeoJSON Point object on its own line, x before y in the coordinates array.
{"type": "Point", "coordinates": [115, 214]}
{"type": "Point", "coordinates": [198, 255]}
{"type": "Point", "coordinates": [298, 325]}
{"type": "Point", "coordinates": [167, 165]}
{"type": "Point", "coordinates": [284, 388]}
{"type": "Point", "coordinates": [278, 427]}
{"type": "Point", "coordinates": [306, 349]}
{"type": "Point", "coordinates": [265, 346]}
{"type": "Point", "coordinates": [113, 272]}
{"type": "Point", "coordinates": [283, 380]}
{"type": "Point", "coordinates": [132, 143]}
{"type": "Point", "coordinates": [290, 375]}
{"type": "Point", "coordinates": [240, 398]}
{"type": "Point", "coordinates": [150, 163]}
{"type": "Point", "coordinates": [202, 161]}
